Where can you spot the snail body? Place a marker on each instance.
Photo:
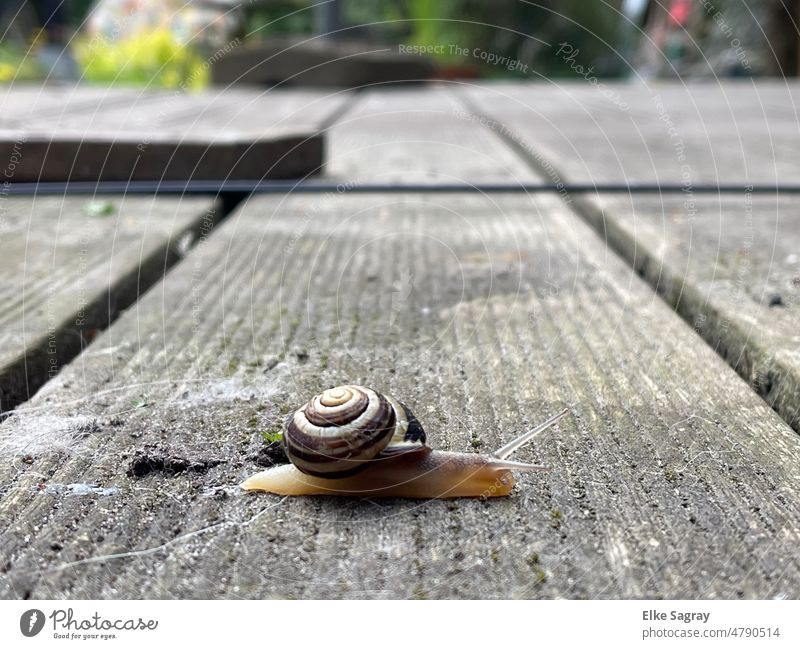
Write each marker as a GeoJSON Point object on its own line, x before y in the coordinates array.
{"type": "Point", "coordinates": [354, 441]}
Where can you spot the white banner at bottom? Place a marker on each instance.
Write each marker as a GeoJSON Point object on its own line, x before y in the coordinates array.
{"type": "Point", "coordinates": [353, 624]}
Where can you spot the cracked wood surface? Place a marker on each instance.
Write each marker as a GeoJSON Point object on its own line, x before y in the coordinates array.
{"type": "Point", "coordinates": [671, 478]}
{"type": "Point", "coordinates": [85, 135]}
{"type": "Point", "coordinates": [68, 272]}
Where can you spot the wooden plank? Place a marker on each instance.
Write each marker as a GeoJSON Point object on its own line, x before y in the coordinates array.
{"type": "Point", "coordinates": [68, 272]}
{"type": "Point", "coordinates": [671, 477]}
{"type": "Point", "coordinates": [731, 266]}
{"type": "Point", "coordinates": [727, 132]}
{"type": "Point", "coordinates": [402, 135]}
{"type": "Point", "coordinates": [20, 103]}
{"type": "Point", "coordinates": [720, 261]}
{"type": "Point", "coordinates": [174, 136]}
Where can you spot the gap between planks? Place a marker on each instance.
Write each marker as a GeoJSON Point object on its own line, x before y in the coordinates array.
{"type": "Point", "coordinates": [771, 378]}
{"type": "Point", "coordinates": [36, 365]}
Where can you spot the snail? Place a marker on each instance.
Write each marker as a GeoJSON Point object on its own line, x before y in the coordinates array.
{"type": "Point", "coordinates": [354, 441]}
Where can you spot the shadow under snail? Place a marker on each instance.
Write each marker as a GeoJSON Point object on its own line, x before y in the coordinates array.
{"type": "Point", "coordinates": [354, 441]}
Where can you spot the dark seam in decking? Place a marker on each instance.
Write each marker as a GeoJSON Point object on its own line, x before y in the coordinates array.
{"type": "Point", "coordinates": [32, 369]}
{"type": "Point", "coordinates": [36, 365]}
{"type": "Point", "coordinates": [688, 304]}
{"type": "Point", "coordinates": [302, 186]}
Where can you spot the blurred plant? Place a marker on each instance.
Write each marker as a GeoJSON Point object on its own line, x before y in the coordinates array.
{"type": "Point", "coordinates": [593, 30]}
{"type": "Point", "coordinates": [279, 17]}
{"type": "Point", "coordinates": [504, 28]}
{"type": "Point", "coordinates": [423, 22]}
{"type": "Point", "coordinates": [428, 28]}
{"type": "Point", "coordinates": [150, 58]}
{"type": "Point", "coordinates": [18, 64]}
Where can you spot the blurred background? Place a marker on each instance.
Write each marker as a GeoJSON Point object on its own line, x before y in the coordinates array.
{"type": "Point", "coordinates": [191, 45]}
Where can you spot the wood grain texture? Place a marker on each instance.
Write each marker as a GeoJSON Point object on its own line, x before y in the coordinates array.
{"type": "Point", "coordinates": [727, 264]}
{"type": "Point", "coordinates": [731, 266]}
{"type": "Point", "coordinates": [21, 104]}
{"type": "Point", "coordinates": [671, 478]}
{"type": "Point", "coordinates": [402, 135]}
{"type": "Point", "coordinates": [235, 134]}
{"type": "Point", "coordinates": [68, 272]}
{"type": "Point", "coordinates": [725, 132]}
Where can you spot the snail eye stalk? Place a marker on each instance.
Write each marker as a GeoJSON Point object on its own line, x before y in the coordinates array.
{"type": "Point", "coordinates": [504, 451]}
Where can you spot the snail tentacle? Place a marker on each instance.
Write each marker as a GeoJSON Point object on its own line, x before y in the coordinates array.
{"type": "Point", "coordinates": [504, 451]}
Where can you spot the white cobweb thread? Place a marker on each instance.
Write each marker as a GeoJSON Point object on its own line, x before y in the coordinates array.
{"type": "Point", "coordinates": [31, 434]}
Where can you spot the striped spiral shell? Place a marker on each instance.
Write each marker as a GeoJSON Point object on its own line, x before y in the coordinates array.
{"type": "Point", "coordinates": [344, 429]}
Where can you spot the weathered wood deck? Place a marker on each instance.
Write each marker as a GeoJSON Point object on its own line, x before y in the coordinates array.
{"type": "Point", "coordinates": [486, 312]}
{"type": "Point", "coordinates": [125, 136]}
{"type": "Point", "coordinates": [733, 132]}
{"type": "Point", "coordinates": [728, 263]}
{"type": "Point", "coordinates": [71, 265]}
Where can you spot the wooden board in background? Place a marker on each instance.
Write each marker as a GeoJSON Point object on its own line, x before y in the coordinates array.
{"type": "Point", "coordinates": [670, 133]}
{"type": "Point", "coordinates": [721, 261]}
{"type": "Point", "coordinates": [216, 135]}
{"type": "Point", "coordinates": [423, 135]}
{"type": "Point", "coordinates": [21, 103]}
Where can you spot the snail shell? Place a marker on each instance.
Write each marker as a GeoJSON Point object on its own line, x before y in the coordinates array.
{"type": "Point", "coordinates": [354, 441]}
{"type": "Point", "coordinates": [340, 432]}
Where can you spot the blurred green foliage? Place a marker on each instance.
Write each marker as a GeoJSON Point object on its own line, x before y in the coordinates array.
{"type": "Point", "coordinates": [517, 31]}
{"type": "Point", "coordinates": [279, 17]}
{"type": "Point", "coordinates": [17, 64]}
{"type": "Point", "coordinates": [152, 58]}
{"type": "Point", "coordinates": [78, 10]}
{"type": "Point", "coordinates": [521, 31]}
